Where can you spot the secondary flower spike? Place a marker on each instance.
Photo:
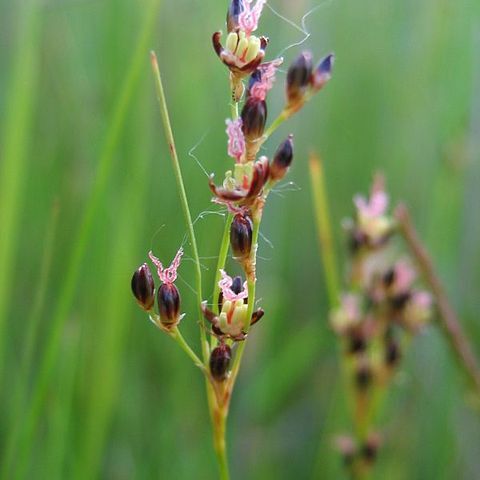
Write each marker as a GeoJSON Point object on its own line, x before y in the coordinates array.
{"type": "Point", "coordinates": [168, 296]}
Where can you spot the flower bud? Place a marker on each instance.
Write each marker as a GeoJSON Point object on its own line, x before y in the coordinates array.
{"type": "Point", "coordinates": [363, 377]}
{"type": "Point", "coordinates": [323, 72]}
{"type": "Point", "coordinates": [282, 160]}
{"type": "Point", "coordinates": [235, 9]}
{"type": "Point", "coordinates": [220, 362]}
{"type": "Point", "coordinates": [168, 300]}
{"type": "Point", "coordinates": [392, 353]}
{"type": "Point", "coordinates": [241, 237]}
{"type": "Point", "coordinates": [298, 78]}
{"type": "Point", "coordinates": [369, 449]}
{"type": "Point", "coordinates": [143, 287]}
{"type": "Point", "coordinates": [254, 117]}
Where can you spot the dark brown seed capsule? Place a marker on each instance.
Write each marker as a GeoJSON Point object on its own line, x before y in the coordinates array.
{"type": "Point", "coordinates": [282, 160]}
{"type": "Point", "coordinates": [363, 377]}
{"type": "Point", "coordinates": [241, 236]}
{"type": "Point", "coordinates": [220, 362]}
{"type": "Point", "coordinates": [357, 343]}
{"type": "Point", "coordinates": [389, 277]}
{"type": "Point", "coordinates": [323, 72]}
{"type": "Point", "coordinates": [399, 301]}
{"type": "Point", "coordinates": [254, 117]}
{"type": "Point", "coordinates": [143, 287]}
{"type": "Point", "coordinates": [369, 450]}
{"type": "Point", "coordinates": [298, 77]}
{"type": "Point", "coordinates": [168, 300]}
{"type": "Point", "coordinates": [237, 287]}
{"type": "Point", "coordinates": [392, 353]}
{"type": "Point", "coordinates": [235, 9]}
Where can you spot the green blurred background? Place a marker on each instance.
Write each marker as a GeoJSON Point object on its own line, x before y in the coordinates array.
{"type": "Point", "coordinates": [89, 389]}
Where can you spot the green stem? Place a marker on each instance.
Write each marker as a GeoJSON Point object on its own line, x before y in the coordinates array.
{"type": "Point", "coordinates": [220, 414]}
{"type": "Point", "coordinates": [183, 196]}
{"type": "Point", "coordinates": [284, 115]}
{"type": "Point", "coordinates": [178, 337]}
{"type": "Point", "coordinates": [324, 226]}
{"type": "Point", "coordinates": [222, 258]}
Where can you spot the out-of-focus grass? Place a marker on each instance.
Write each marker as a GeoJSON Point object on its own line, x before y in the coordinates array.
{"type": "Point", "coordinates": [107, 396]}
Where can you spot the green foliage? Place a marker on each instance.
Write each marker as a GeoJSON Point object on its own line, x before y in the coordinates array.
{"type": "Point", "coordinates": [89, 389]}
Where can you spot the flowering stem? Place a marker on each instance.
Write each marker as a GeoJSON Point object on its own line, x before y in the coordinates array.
{"type": "Point", "coordinates": [449, 320]}
{"type": "Point", "coordinates": [220, 413]}
{"type": "Point", "coordinates": [178, 337]}
{"type": "Point", "coordinates": [324, 229]}
{"type": "Point", "coordinates": [284, 115]}
{"type": "Point", "coordinates": [222, 258]}
{"type": "Point", "coordinates": [183, 196]}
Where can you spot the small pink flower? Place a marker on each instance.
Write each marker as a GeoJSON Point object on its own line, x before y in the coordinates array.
{"type": "Point", "coordinates": [422, 300]}
{"type": "Point", "coordinates": [261, 87]}
{"type": "Point", "coordinates": [167, 275]}
{"type": "Point", "coordinates": [249, 17]}
{"type": "Point", "coordinates": [236, 139]}
{"type": "Point", "coordinates": [404, 276]}
{"type": "Point", "coordinates": [226, 286]}
{"type": "Point", "coordinates": [375, 207]}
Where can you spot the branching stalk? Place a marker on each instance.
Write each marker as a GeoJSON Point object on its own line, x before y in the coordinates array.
{"type": "Point", "coordinates": [449, 320]}
{"type": "Point", "coordinates": [324, 228]}
{"type": "Point", "coordinates": [183, 196]}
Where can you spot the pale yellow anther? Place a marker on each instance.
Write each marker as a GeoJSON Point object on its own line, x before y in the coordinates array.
{"type": "Point", "coordinates": [253, 49]}
{"type": "Point", "coordinates": [241, 47]}
{"type": "Point", "coordinates": [232, 41]}
{"type": "Point", "coordinates": [230, 182]}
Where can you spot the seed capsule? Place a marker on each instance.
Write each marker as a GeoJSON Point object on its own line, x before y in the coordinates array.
{"type": "Point", "coordinates": [392, 353]}
{"type": "Point", "coordinates": [235, 9]}
{"type": "Point", "coordinates": [241, 236]}
{"type": "Point", "coordinates": [323, 72]}
{"type": "Point", "coordinates": [298, 78]}
{"type": "Point", "coordinates": [282, 160]}
{"type": "Point", "coordinates": [363, 377]}
{"type": "Point", "coordinates": [254, 117]}
{"type": "Point", "coordinates": [220, 362]}
{"type": "Point", "coordinates": [143, 287]}
{"type": "Point", "coordinates": [168, 300]}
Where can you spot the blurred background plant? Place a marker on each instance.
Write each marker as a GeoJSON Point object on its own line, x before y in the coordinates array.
{"type": "Point", "coordinates": [88, 391]}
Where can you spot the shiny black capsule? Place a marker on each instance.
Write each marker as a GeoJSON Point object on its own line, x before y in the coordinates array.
{"type": "Point", "coordinates": [168, 300]}
{"type": "Point", "coordinates": [298, 77]}
{"type": "Point", "coordinates": [220, 362]}
{"type": "Point", "coordinates": [241, 236]}
{"type": "Point", "coordinates": [282, 160]}
{"type": "Point", "coordinates": [143, 287]}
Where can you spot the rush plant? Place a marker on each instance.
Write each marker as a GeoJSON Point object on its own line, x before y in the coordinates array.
{"type": "Point", "coordinates": [225, 323]}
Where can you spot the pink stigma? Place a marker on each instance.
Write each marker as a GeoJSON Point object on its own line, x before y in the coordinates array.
{"type": "Point", "coordinates": [167, 275]}
{"type": "Point", "coordinates": [248, 19]}
{"type": "Point", "coordinates": [260, 88]}
{"type": "Point", "coordinates": [226, 285]}
{"type": "Point", "coordinates": [375, 207]}
{"type": "Point", "coordinates": [236, 139]}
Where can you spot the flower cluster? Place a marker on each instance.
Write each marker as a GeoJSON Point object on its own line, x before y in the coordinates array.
{"type": "Point", "coordinates": [382, 309]}
{"type": "Point", "coordinates": [168, 296]}
{"type": "Point", "coordinates": [245, 187]}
